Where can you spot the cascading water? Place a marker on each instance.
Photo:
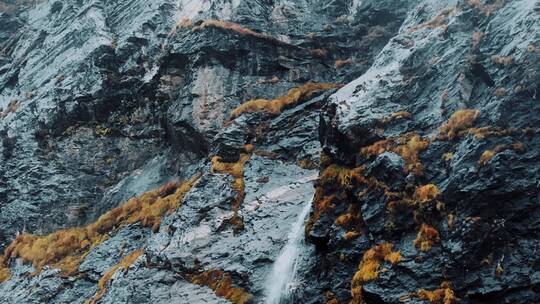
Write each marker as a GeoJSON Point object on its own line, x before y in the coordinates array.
{"type": "Point", "coordinates": [280, 282]}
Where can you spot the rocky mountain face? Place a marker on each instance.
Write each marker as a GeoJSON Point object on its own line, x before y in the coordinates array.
{"type": "Point", "coordinates": [166, 151]}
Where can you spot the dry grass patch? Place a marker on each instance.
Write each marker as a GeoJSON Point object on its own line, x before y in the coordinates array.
{"type": "Point", "coordinates": [476, 39]}
{"type": "Point", "coordinates": [65, 249]}
{"type": "Point", "coordinates": [486, 157]}
{"type": "Point", "coordinates": [489, 131]}
{"type": "Point", "coordinates": [426, 193]}
{"type": "Point", "coordinates": [237, 171]}
{"type": "Point", "coordinates": [5, 273]}
{"type": "Point", "coordinates": [500, 92]}
{"type": "Point", "coordinates": [408, 146]}
{"type": "Point", "coordinates": [489, 154]}
{"type": "Point", "coordinates": [487, 9]}
{"type": "Point", "coordinates": [396, 116]}
{"type": "Point", "coordinates": [502, 61]}
{"type": "Point", "coordinates": [458, 123]}
{"type": "Point", "coordinates": [127, 261]}
{"type": "Point", "coordinates": [426, 238]}
{"type": "Point", "coordinates": [447, 157]}
{"type": "Point", "coordinates": [222, 285]}
{"type": "Point", "coordinates": [351, 235]}
{"type": "Point", "coordinates": [340, 63]}
{"type": "Point", "coordinates": [341, 177]}
{"type": "Point", "coordinates": [321, 53]}
{"type": "Point", "coordinates": [439, 21]}
{"type": "Point", "coordinates": [368, 269]}
{"type": "Point", "coordinates": [442, 295]}
{"type": "Point", "coordinates": [308, 164]}
{"type": "Point", "coordinates": [231, 26]}
{"type": "Point", "coordinates": [276, 106]}
{"type": "Point", "coordinates": [12, 107]}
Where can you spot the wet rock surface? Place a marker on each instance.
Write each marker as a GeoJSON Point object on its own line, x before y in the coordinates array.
{"type": "Point", "coordinates": [412, 127]}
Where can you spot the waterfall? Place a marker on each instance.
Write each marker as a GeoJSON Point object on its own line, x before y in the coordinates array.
{"type": "Point", "coordinates": [280, 282]}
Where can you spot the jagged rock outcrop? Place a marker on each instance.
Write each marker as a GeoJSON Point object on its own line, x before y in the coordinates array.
{"type": "Point", "coordinates": [411, 127]}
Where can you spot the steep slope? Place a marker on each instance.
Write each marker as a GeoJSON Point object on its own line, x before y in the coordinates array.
{"type": "Point", "coordinates": [411, 126]}
{"type": "Point", "coordinates": [438, 145]}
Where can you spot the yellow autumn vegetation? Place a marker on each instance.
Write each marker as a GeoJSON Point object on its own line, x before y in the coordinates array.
{"type": "Point", "coordinates": [408, 146]}
{"type": "Point", "coordinates": [276, 106]}
{"type": "Point", "coordinates": [127, 261]}
{"type": "Point", "coordinates": [426, 238]}
{"type": "Point", "coordinates": [65, 249]}
{"type": "Point", "coordinates": [368, 269]}
{"type": "Point", "coordinates": [442, 295]}
{"type": "Point", "coordinates": [236, 170]}
{"type": "Point", "coordinates": [222, 285]}
{"type": "Point", "coordinates": [458, 123]}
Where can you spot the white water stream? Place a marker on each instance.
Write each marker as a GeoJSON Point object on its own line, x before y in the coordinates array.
{"type": "Point", "coordinates": [281, 281]}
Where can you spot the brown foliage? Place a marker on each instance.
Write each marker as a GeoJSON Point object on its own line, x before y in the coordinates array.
{"type": "Point", "coordinates": [458, 123]}
{"type": "Point", "coordinates": [368, 269]}
{"type": "Point", "coordinates": [426, 193]}
{"type": "Point", "coordinates": [231, 26]}
{"type": "Point", "coordinates": [11, 108]}
{"type": "Point", "coordinates": [439, 21]}
{"type": "Point", "coordinates": [489, 154]}
{"type": "Point", "coordinates": [338, 64]}
{"type": "Point", "coordinates": [476, 39]}
{"type": "Point", "coordinates": [65, 249]}
{"type": "Point", "coordinates": [322, 53]}
{"type": "Point", "coordinates": [502, 61]}
{"type": "Point", "coordinates": [222, 285]}
{"type": "Point", "coordinates": [443, 295]}
{"type": "Point", "coordinates": [487, 9]}
{"type": "Point", "coordinates": [426, 238]}
{"type": "Point", "coordinates": [408, 146]}
{"type": "Point", "coordinates": [500, 92]}
{"type": "Point", "coordinates": [237, 171]}
{"type": "Point", "coordinates": [276, 106]}
{"type": "Point", "coordinates": [127, 261]}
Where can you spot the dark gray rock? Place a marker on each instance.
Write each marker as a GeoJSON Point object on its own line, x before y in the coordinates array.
{"type": "Point", "coordinates": [104, 100]}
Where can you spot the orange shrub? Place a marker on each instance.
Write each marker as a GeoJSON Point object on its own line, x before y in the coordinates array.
{"type": "Point", "coordinates": [396, 115]}
{"type": "Point", "coordinates": [426, 238]}
{"type": "Point", "coordinates": [340, 177]}
{"type": "Point", "coordinates": [486, 157]}
{"type": "Point", "coordinates": [443, 295]}
{"type": "Point", "coordinates": [234, 169]}
{"type": "Point", "coordinates": [349, 235]}
{"type": "Point", "coordinates": [408, 146]}
{"type": "Point", "coordinates": [5, 273]}
{"type": "Point", "coordinates": [459, 122]}
{"type": "Point", "coordinates": [448, 156]}
{"type": "Point", "coordinates": [221, 283]}
{"type": "Point", "coordinates": [426, 193]}
{"type": "Point", "coordinates": [368, 269]}
{"type": "Point", "coordinates": [308, 164]}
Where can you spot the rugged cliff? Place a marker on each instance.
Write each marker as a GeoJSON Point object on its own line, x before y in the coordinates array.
{"type": "Point", "coordinates": [162, 151]}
